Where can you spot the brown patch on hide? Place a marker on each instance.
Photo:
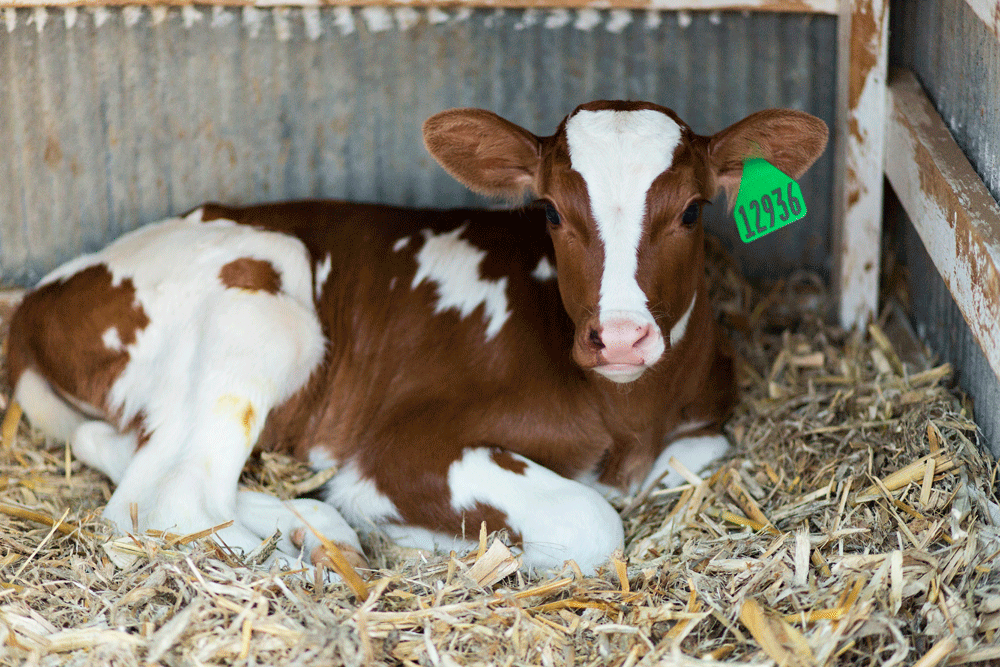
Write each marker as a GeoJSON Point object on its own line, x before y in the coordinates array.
{"type": "Point", "coordinates": [255, 275]}
{"type": "Point", "coordinates": [503, 458]}
{"type": "Point", "coordinates": [60, 330]}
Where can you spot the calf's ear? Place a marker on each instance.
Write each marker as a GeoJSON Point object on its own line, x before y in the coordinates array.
{"type": "Point", "coordinates": [790, 140]}
{"type": "Point", "coordinates": [483, 151]}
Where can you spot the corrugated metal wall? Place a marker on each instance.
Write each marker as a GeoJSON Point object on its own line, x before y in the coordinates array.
{"type": "Point", "coordinates": [115, 117]}
{"type": "Point", "coordinates": [957, 60]}
{"type": "Point", "coordinates": [941, 325]}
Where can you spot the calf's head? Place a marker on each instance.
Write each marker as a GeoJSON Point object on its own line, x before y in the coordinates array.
{"type": "Point", "coordinates": [623, 184]}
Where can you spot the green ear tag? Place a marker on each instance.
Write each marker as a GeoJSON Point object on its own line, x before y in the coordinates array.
{"type": "Point", "coordinates": [768, 200]}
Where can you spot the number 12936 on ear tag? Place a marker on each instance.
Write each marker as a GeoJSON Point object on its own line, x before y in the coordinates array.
{"type": "Point", "coordinates": [768, 200]}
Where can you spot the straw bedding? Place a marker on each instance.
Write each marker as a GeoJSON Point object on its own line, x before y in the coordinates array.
{"type": "Point", "coordinates": [855, 524]}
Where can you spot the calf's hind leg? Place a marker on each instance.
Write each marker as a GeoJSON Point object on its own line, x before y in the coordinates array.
{"type": "Point", "coordinates": [94, 442]}
{"type": "Point", "coordinates": [205, 399]}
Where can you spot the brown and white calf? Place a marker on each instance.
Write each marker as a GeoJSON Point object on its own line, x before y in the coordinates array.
{"type": "Point", "coordinates": [456, 366]}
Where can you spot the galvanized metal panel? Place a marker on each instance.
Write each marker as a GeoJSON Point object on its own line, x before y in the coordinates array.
{"type": "Point", "coordinates": [957, 59]}
{"type": "Point", "coordinates": [939, 322]}
{"type": "Point", "coordinates": [116, 117]}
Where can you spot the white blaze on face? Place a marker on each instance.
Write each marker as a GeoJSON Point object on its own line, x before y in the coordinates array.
{"type": "Point", "coordinates": [619, 154]}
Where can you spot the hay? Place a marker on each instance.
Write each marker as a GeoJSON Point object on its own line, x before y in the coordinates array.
{"type": "Point", "coordinates": [857, 524]}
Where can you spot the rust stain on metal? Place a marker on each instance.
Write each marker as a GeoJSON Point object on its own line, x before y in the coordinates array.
{"type": "Point", "coordinates": [53, 152]}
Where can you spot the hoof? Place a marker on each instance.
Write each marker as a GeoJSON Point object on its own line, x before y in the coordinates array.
{"type": "Point", "coordinates": [357, 559]}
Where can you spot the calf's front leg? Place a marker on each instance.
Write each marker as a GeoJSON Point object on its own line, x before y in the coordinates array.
{"type": "Point", "coordinates": [552, 518]}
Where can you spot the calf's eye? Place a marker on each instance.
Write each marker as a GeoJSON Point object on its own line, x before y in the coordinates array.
{"type": "Point", "coordinates": [551, 214]}
{"type": "Point", "coordinates": [691, 213]}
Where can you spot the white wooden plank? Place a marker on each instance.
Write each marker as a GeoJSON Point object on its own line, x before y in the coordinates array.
{"type": "Point", "coordinates": [956, 217]}
{"type": "Point", "coordinates": [863, 61]}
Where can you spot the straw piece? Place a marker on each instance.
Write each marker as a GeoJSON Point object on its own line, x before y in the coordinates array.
{"type": "Point", "coordinates": [941, 650]}
{"type": "Point", "coordinates": [802, 558]}
{"type": "Point", "coordinates": [812, 360]}
{"type": "Point", "coordinates": [979, 655]}
{"type": "Point", "coordinates": [313, 482]}
{"type": "Point", "coordinates": [496, 564]}
{"type": "Point", "coordinates": [913, 472]}
{"type": "Point", "coordinates": [749, 505]}
{"type": "Point", "coordinates": [8, 430]}
{"type": "Point", "coordinates": [201, 534]}
{"type": "Point", "coordinates": [339, 562]}
{"type": "Point", "coordinates": [621, 571]}
{"type": "Point", "coordinates": [896, 579]}
{"type": "Point", "coordinates": [168, 634]}
{"type": "Point", "coordinates": [575, 604]}
{"type": "Point", "coordinates": [780, 641]}
{"type": "Point", "coordinates": [30, 515]}
{"type": "Point", "coordinates": [730, 517]}
{"type": "Point", "coordinates": [817, 559]}
{"type": "Point", "coordinates": [544, 589]}
{"type": "Point", "coordinates": [482, 540]}
{"type": "Point", "coordinates": [689, 476]}
{"type": "Point", "coordinates": [886, 347]}
{"type": "Point", "coordinates": [928, 481]}
{"type": "Point", "coordinates": [934, 439]}
{"type": "Point", "coordinates": [931, 376]}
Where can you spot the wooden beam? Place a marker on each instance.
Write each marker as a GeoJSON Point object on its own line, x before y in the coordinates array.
{"type": "Point", "coordinates": [863, 56]}
{"type": "Point", "coordinates": [796, 6]}
{"type": "Point", "coordinates": [955, 215]}
{"type": "Point", "coordinates": [988, 12]}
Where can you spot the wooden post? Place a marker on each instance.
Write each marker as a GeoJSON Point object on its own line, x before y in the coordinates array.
{"type": "Point", "coordinates": [863, 57]}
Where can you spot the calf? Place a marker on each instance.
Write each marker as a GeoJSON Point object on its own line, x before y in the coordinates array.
{"type": "Point", "coordinates": [455, 366]}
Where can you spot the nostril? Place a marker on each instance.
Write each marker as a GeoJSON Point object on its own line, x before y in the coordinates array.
{"type": "Point", "coordinates": [595, 340]}
{"type": "Point", "coordinates": [643, 336]}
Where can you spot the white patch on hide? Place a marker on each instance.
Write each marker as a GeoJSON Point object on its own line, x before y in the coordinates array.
{"type": "Point", "coordinates": [695, 453]}
{"type": "Point", "coordinates": [680, 327]}
{"type": "Point", "coordinates": [452, 263]}
{"type": "Point", "coordinates": [112, 339]}
{"type": "Point", "coordinates": [323, 270]}
{"type": "Point", "coordinates": [557, 518]}
{"type": "Point", "coordinates": [358, 499]}
{"type": "Point", "coordinates": [544, 271]}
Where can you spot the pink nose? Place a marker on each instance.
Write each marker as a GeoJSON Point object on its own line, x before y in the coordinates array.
{"type": "Point", "coordinates": [624, 341]}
